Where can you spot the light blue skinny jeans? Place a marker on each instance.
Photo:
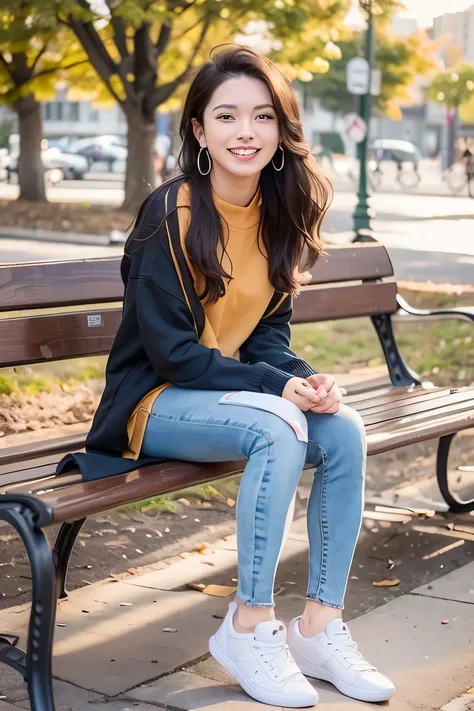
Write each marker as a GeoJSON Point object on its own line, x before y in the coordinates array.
{"type": "Point", "coordinates": [192, 425]}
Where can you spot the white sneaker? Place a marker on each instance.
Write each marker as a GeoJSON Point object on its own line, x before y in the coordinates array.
{"type": "Point", "coordinates": [261, 662]}
{"type": "Point", "coordinates": [334, 657]}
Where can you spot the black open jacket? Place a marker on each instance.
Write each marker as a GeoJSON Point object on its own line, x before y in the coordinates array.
{"type": "Point", "coordinates": [158, 340]}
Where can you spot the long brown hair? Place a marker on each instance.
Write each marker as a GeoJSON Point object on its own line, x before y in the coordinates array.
{"type": "Point", "coordinates": [294, 200]}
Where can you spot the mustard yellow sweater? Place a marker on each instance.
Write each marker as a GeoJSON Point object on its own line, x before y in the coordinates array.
{"type": "Point", "coordinates": [230, 320]}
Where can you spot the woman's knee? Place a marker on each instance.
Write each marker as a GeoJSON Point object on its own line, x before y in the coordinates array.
{"type": "Point", "coordinates": [343, 431]}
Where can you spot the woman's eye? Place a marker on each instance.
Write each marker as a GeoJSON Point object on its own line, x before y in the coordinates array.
{"type": "Point", "coordinates": [225, 116]}
{"type": "Point", "coordinates": [265, 116]}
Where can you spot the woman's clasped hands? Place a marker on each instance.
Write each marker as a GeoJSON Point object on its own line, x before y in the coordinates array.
{"type": "Point", "coordinates": [316, 393]}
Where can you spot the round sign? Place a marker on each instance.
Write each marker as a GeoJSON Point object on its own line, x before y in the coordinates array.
{"type": "Point", "coordinates": [355, 127]}
{"type": "Point", "coordinates": [358, 74]}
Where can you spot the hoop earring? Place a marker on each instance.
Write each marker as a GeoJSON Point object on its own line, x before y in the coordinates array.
{"type": "Point", "coordinates": [199, 161]}
{"type": "Point", "coordinates": [282, 160]}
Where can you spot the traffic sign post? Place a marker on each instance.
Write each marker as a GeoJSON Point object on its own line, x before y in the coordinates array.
{"type": "Point", "coordinates": [362, 214]}
{"type": "Point", "coordinates": [358, 76]}
{"type": "Point", "coordinates": [355, 127]}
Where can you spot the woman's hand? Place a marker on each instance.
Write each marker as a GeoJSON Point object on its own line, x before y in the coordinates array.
{"type": "Point", "coordinates": [301, 393]}
{"type": "Point", "coordinates": [330, 394]}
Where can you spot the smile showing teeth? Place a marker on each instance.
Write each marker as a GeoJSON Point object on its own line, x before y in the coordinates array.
{"type": "Point", "coordinates": [243, 151]}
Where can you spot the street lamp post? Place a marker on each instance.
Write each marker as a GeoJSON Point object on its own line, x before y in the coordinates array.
{"type": "Point", "coordinates": [362, 214]}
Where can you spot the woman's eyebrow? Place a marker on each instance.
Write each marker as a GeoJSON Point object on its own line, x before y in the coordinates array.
{"type": "Point", "coordinates": [233, 106]}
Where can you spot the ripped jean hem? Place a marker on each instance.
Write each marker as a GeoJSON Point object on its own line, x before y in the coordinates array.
{"type": "Point", "coordinates": [317, 598]}
{"type": "Point", "coordinates": [251, 603]}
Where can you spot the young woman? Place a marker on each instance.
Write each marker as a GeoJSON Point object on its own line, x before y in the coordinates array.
{"type": "Point", "coordinates": [210, 271]}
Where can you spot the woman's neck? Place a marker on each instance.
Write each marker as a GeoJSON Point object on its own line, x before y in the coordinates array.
{"type": "Point", "coordinates": [234, 190]}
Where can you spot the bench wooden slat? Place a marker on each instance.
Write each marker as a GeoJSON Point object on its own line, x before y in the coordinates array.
{"type": "Point", "coordinates": [88, 498]}
{"type": "Point", "coordinates": [359, 261]}
{"type": "Point", "coordinates": [69, 335]}
{"type": "Point", "coordinates": [45, 285]}
{"type": "Point", "coordinates": [386, 439]}
{"type": "Point", "coordinates": [395, 400]}
{"type": "Point", "coordinates": [426, 407]}
{"type": "Point", "coordinates": [35, 450]}
{"type": "Point", "coordinates": [48, 284]}
{"type": "Point", "coordinates": [347, 301]}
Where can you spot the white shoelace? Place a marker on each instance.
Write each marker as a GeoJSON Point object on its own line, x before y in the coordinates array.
{"type": "Point", "coordinates": [348, 649]}
{"type": "Point", "coordinates": [277, 659]}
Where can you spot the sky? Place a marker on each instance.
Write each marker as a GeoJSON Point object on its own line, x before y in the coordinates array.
{"type": "Point", "coordinates": [425, 10]}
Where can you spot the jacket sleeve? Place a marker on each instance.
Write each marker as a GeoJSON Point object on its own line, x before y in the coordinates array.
{"type": "Point", "coordinates": [270, 343]}
{"type": "Point", "coordinates": [168, 333]}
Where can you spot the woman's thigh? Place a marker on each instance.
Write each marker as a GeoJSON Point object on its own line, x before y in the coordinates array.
{"type": "Point", "coordinates": [192, 425]}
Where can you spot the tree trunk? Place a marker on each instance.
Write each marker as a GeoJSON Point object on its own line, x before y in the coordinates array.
{"type": "Point", "coordinates": [140, 178]}
{"type": "Point", "coordinates": [30, 164]}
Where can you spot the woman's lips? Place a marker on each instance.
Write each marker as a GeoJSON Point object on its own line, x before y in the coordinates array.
{"type": "Point", "coordinates": [245, 156]}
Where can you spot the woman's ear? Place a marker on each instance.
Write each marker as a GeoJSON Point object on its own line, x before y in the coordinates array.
{"type": "Point", "coordinates": [198, 132]}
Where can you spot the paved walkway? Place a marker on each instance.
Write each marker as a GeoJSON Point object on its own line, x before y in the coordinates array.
{"type": "Point", "coordinates": [140, 642]}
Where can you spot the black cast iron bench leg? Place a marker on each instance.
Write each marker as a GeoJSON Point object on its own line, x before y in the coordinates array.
{"type": "Point", "coordinates": [62, 550]}
{"type": "Point", "coordinates": [455, 504]}
{"type": "Point", "coordinates": [36, 664]}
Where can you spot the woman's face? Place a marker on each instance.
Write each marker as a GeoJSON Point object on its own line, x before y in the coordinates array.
{"type": "Point", "coordinates": [240, 127]}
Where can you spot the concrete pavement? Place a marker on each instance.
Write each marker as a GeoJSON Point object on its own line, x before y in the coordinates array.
{"type": "Point", "coordinates": [140, 641]}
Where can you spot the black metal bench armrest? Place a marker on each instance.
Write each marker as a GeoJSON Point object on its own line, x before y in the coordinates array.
{"type": "Point", "coordinates": [464, 312]}
{"type": "Point", "coordinates": [42, 514]}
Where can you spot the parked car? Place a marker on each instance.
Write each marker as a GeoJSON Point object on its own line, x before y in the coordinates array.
{"type": "Point", "coordinates": [72, 167]}
{"type": "Point", "coordinates": [101, 148]}
{"type": "Point", "coordinates": [390, 149]}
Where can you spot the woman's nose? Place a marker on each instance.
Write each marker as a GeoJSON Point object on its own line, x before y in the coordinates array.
{"type": "Point", "coordinates": [245, 131]}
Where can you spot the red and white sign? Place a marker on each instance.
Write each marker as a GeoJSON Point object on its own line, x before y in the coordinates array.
{"type": "Point", "coordinates": [355, 127]}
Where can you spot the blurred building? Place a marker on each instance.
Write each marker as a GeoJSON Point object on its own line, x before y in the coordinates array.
{"type": "Point", "coordinates": [78, 119]}
{"type": "Point", "coordinates": [458, 29]}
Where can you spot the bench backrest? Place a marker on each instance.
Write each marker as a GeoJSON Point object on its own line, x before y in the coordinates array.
{"type": "Point", "coordinates": [57, 310]}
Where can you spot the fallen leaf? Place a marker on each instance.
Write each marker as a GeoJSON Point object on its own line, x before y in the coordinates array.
{"type": "Point", "coordinates": [390, 564]}
{"type": "Point", "coordinates": [230, 502]}
{"type": "Point", "coordinates": [169, 629]}
{"type": "Point", "coordinates": [470, 691]}
{"type": "Point", "coordinates": [133, 571]}
{"type": "Point", "coordinates": [386, 583]}
{"type": "Point", "coordinates": [137, 550]}
{"type": "Point", "coordinates": [167, 530]}
{"type": "Point", "coordinates": [200, 547]}
{"type": "Point", "coordinates": [60, 624]}
{"type": "Point", "coordinates": [86, 611]}
{"type": "Point", "coordinates": [126, 604]}
{"type": "Point", "coordinates": [445, 622]}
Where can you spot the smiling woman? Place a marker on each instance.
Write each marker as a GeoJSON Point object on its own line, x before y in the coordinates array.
{"type": "Point", "coordinates": [210, 270]}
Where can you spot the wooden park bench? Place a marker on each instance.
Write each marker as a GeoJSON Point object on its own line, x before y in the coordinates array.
{"type": "Point", "coordinates": [36, 327]}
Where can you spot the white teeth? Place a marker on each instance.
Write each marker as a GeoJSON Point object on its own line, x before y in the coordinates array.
{"type": "Point", "coordinates": [243, 151]}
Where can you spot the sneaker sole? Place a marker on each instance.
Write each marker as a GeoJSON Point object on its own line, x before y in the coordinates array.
{"type": "Point", "coordinates": [346, 689]}
{"type": "Point", "coordinates": [272, 699]}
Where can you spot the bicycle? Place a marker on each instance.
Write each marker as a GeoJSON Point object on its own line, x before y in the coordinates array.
{"type": "Point", "coordinates": [409, 179]}
{"type": "Point", "coordinates": [459, 177]}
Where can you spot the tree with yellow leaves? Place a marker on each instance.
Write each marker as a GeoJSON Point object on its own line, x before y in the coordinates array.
{"type": "Point", "coordinates": [144, 51]}
{"type": "Point", "coordinates": [33, 56]}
